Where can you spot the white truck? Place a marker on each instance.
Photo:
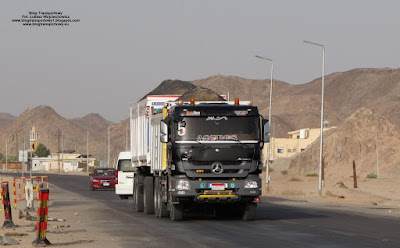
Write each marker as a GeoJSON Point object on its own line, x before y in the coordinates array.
{"type": "Point", "coordinates": [189, 154]}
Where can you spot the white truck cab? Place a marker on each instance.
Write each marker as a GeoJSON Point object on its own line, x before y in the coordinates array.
{"type": "Point", "coordinates": [125, 174]}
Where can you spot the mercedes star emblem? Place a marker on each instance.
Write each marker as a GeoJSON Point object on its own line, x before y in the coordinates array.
{"type": "Point", "coordinates": [217, 168]}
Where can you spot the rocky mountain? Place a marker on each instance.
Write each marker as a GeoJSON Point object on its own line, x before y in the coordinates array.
{"type": "Point", "coordinates": [298, 106]}
{"type": "Point", "coordinates": [356, 139]}
{"type": "Point", "coordinates": [201, 94]}
{"type": "Point", "coordinates": [92, 121]}
{"type": "Point", "coordinates": [171, 87]}
{"type": "Point", "coordinates": [293, 107]}
{"type": "Point", "coordinates": [47, 124]}
{"type": "Point", "coordinates": [6, 120]}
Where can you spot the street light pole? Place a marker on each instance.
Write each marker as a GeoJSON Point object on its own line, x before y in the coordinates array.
{"type": "Point", "coordinates": [267, 178]}
{"type": "Point", "coordinates": [108, 147]}
{"type": "Point", "coordinates": [7, 153]}
{"type": "Point", "coordinates": [322, 115]}
{"type": "Point", "coordinates": [87, 151]}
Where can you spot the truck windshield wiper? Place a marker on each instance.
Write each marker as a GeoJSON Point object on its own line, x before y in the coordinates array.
{"type": "Point", "coordinates": [202, 145]}
{"type": "Point", "coordinates": [240, 142]}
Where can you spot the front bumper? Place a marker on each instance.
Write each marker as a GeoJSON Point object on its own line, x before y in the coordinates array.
{"type": "Point", "coordinates": [201, 191]}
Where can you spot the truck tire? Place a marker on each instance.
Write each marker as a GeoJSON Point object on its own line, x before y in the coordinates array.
{"type": "Point", "coordinates": [249, 212]}
{"type": "Point", "coordinates": [148, 195]}
{"type": "Point", "coordinates": [160, 208]}
{"type": "Point", "coordinates": [138, 194]}
{"type": "Point", "coordinates": [176, 213]}
{"type": "Point", "coordinates": [156, 197]}
{"type": "Point", "coordinates": [123, 197]}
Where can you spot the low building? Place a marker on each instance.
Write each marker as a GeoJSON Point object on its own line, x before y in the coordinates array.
{"type": "Point", "coordinates": [297, 142]}
{"type": "Point", "coordinates": [66, 161]}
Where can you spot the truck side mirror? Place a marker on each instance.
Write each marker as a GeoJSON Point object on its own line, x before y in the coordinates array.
{"type": "Point", "coordinates": [164, 132]}
{"type": "Point", "coordinates": [266, 130]}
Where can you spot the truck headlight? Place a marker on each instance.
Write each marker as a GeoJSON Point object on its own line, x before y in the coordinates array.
{"type": "Point", "coordinates": [250, 185]}
{"type": "Point", "coordinates": [182, 185]}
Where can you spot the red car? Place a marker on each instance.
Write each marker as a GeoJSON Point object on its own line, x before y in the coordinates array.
{"type": "Point", "coordinates": [103, 178]}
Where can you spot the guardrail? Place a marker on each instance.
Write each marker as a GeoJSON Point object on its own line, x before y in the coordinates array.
{"type": "Point", "coordinates": [40, 181]}
{"type": "Point", "coordinates": [19, 185]}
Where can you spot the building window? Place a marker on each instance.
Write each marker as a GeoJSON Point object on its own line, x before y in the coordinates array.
{"type": "Point", "coordinates": [294, 150]}
{"type": "Point", "coordinates": [289, 150]}
{"type": "Point", "coordinates": [302, 149]}
{"type": "Point", "coordinates": [280, 150]}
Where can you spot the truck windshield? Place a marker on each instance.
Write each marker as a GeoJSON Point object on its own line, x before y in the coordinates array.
{"type": "Point", "coordinates": [217, 128]}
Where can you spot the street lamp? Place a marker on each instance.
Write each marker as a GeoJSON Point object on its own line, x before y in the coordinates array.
{"type": "Point", "coordinates": [322, 115]}
{"type": "Point", "coordinates": [87, 151]}
{"type": "Point", "coordinates": [7, 153]}
{"type": "Point", "coordinates": [267, 179]}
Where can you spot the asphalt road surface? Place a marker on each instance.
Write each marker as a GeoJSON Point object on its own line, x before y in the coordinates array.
{"type": "Point", "coordinates": [277, 225]}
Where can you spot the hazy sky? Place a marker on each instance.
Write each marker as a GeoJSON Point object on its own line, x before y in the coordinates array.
{"type": "Point", "coordinates": [121, 50]}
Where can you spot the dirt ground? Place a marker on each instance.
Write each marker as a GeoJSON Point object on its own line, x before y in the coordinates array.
{"type": "Point", "coordinates": [382, 194]}
{"type": "Point", "coordinates": [79, 229]}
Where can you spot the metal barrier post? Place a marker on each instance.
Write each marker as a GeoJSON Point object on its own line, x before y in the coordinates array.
{"type": "Point", "coordinates": [41, 226]}
{"type": "Point", "coordinates": [15, 196]}
{"type": "Point", "coordinates": [8, 223]}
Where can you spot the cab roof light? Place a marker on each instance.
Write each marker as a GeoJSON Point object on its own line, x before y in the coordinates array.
{"type": "Point", "coordinates": [236, 101]}
{"type": "Point", "coordinates": [251, 103]}
{"type": "Point", "coordinates": [192, 101]}
{"type": "Point", "coordinates": [180, 102]}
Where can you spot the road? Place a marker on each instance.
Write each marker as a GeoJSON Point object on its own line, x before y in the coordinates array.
{"type": "Point", "coordinates": [278, 225]}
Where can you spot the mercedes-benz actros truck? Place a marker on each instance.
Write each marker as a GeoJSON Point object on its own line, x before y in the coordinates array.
{"type": "Point", "coordinates": [191, 154]}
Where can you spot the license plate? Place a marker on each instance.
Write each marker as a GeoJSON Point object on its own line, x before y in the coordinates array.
{"type": "Point", "coordinates": [106, 184]}
{"type": "Point", "coordinates": [217, 186]}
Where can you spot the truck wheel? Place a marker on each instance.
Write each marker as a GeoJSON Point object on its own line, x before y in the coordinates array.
{"type": "Point", "coordinates": [160, 208]}
{"type": "Point", "coordinates": [123, 197]}
{"type": "Point", "coordinates": [148, 195]}
{"type": "Point", "coordinates": [176, 213]}
{"type": "Point", "coordinates": [138, 194]}
{"type": "Point", "coordinates": [249, 212]}
{"type": "Point", "coordinates": [156, 198]}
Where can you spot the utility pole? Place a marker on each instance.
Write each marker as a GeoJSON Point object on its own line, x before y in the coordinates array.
{"type": "Point", "coordinates": [16, 143]}
{"type": "Point", "coordinates": [377, 157]}
{"type": "Point", "coordinates": [108, 148]}
{"type": "Point", "coordinates": [87, 151]}
{"type": "Point", "coordinates": [127, 136]}
{"type": "Point", "coordinates": [7, 153]}
{"type": "Point", "coordinates": [62, 151]}
{"type": "Point", "coordinates": [23, 158]}
{"type": "Point", "coordinates": [267, 177]}
{"type": "Point", "coordinates": [322, 115]}
{"type": "Point", "coordinates": [59, 150]}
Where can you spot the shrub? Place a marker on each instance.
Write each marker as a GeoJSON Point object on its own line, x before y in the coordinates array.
{"type": "Point", "coordinates": [312, 175]}
{"type": "Point", "coordinates": [295, 179]}
{"type": "Point", "coordinates": [284, 172]}
{"type": "Point", "coordinates": [264, 169]}
{"type": "Point", "coordinates": [372, 175]}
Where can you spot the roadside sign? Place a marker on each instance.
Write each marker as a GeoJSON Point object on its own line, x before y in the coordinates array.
{"type": "Point", "coordinates": [34, 146]}
{"type": "Point", "coordinates": [22, 156]}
